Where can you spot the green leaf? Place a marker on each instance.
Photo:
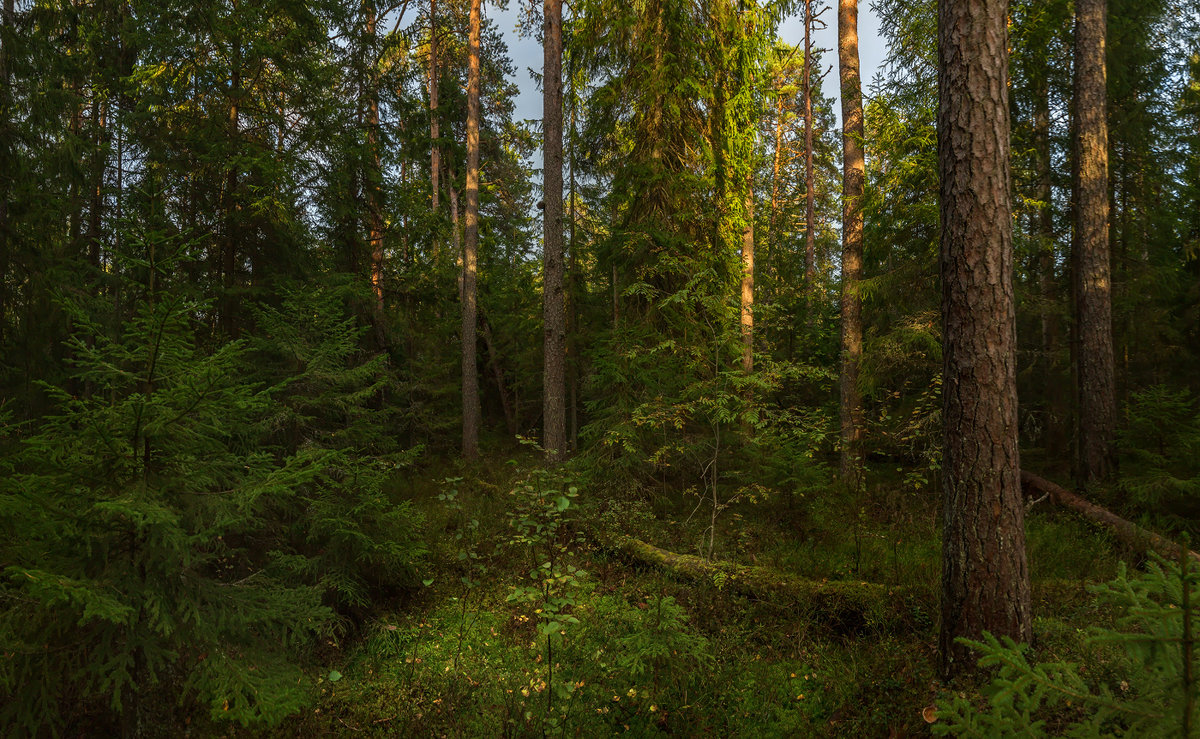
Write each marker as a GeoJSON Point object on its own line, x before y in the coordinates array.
{"type": "Point", "coordinates": [334, 676]}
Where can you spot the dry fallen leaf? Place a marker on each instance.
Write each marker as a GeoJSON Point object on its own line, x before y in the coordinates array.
{"type": "Point", "coordinates": [929, 713]}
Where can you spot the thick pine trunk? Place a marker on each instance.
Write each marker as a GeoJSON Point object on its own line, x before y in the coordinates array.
{"type": "Point", "coordinates": [470, 372]}
{"type": "Point", "coordinates": [554, 298]}
{"type": "Point", "coordinates": [854, 172]}
{"type": "Point", "coordinates": [1097, 387]}
{"type": "Point", "coordinates": [985, 577]}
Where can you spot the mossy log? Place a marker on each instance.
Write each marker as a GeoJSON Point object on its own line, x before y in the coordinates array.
{"type": "Point", "coordinates": [1129, 533]}
{"type": "Point", "coordinates": [845, 606]}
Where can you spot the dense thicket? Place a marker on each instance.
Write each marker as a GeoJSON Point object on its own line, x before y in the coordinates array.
{"type": "Point", "coordinates": [233, 277]}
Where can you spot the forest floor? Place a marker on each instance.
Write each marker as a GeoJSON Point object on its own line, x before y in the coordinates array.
{"type": "Point", "coordinates": [605, 644]}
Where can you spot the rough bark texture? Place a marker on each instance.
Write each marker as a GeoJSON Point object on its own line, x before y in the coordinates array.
{"type": "Point", "coordinates": [853, 175]}
{"type": "Point", "coordinates": [985, 577]}
{"type": "Point", "coordinates": [1129, 533]}
{"type": "Point", "coordinates": [554, 298]}
{"type": "Point", "coordinates": [470, 373]}
{"type": "Point", "coordinates": [1097, 387]}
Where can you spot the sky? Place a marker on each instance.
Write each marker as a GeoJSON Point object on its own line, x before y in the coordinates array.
{"type": "Point", "coordinates": [527, 53]}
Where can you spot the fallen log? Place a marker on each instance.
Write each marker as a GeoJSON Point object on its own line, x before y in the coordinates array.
{"type": "Point", "coordinates": [846, 606]}
{"type": "Point", "coordinates": [1128, 532]}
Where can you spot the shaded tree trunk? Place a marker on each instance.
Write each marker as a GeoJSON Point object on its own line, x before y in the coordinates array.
{"type": "Point", "coordinates": [1097, 386]}
{"type": "Point", "coordinates": [470, 373]}
{"type": "Point", "coordinates": [1055, 413]}
{"type": "Point", "coordinates": [554, 299]}
{"type": "Point", "coordinates": [229, 259]}
{"type": "Point", "coordinates": [854, 172]}
{"type": "Point", "coordinates": [985, 577]}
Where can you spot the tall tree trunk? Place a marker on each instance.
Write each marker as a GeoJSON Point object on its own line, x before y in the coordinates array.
{"type": "Point", "coordinates": [554, 305]}
{"type": "Point", "coordinates": [777, 155]}
{"type": "Point", "coordinates": [810, 227]}
{"type": "Point", "coordinates": [1097, 387]}
{"type": "Point", "coordinates": [229, 250]}
{"type": "Point", "coordinates": [1054, 412]}
{"type": "Point", "coordinates": [748, 279]}
{"type": "Point", "coordinates": [853, 175]}
{"type": "Point", "coordinates": [434, 124]}
{"type": "Point", "coordinates": [6, 156]}
{"type": "Point", "coordinates": [373, 176]}
{"type": "Point", "coordinates": [985, 577]}
{"type": "Point", "coordinates": [470, 373]}
{"type": "Point", "coordinates": [99, 163]}
{"type": "Point", "coordinates": [573, 276]}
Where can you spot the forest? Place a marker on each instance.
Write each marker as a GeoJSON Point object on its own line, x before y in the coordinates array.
{"type": "Point", "coordinates": [338, 400]}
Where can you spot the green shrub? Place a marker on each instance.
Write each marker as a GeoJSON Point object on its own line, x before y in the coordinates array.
{"type": "Point", "coordinates": [1157, 696]}
{"type": "Point", "coordinates": [136, 550]}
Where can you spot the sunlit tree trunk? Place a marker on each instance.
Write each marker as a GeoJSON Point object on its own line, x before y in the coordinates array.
{"type": "Point", "coordinates": [985, 578]}
{"type": "Point", "coordinates": [373, 177]}
{"type": "Point", "coordinates": [470, 373]}
{"type": "Point", "coordinates": [810, 226]}
{"type": "Point", "coordinates": [1097, 386]}
{"type": "Point", "coordinates": [852, 241]}
{"type": "Point", "coordinates": [554, 306]}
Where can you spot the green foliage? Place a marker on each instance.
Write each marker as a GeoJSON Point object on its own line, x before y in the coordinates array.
{"type": "Point", "coordinates": [135, 525]}
{"type": "Point", "coordinates": [1160, 448]}
{"type": "Point", "coordinates": [345, 531]}
{"type": "Point", "coordinates": [1157, 696]}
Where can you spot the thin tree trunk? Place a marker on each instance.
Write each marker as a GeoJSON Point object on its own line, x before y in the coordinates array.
{"type": "Point", "coordinates": [229, 252]}
{"type": "Point", "coordinates": [1097, 387]}
{"type": "Point", "coordinates": [372, 178]}
{"type": "Point", "coordinates": [773, 217]}
{"type": "Point", "coordinates": [470, 374]}
{"type": "Point", "coordinates": [554, 307]}
{"type": "Point", "coordinates": [99, 164]}
{"type": "Point", "coordinates": [510, 416]}
{"type": "Point", "coordinates": [573, 277]}
{"type": "Point", "coordinates": [854, 172]}
{"type": "Point", "coordinates": [748, 279]}
{"type": "Point", "coordinates": [810, 229]}
{"type": "Point", "coordinates": [1052, 433]}
{"type": "Point", "coordinates": [6, 154]}
{"type": "Point", "coordinates": [985, 577]}
{"type": "Point", "coordinates": [434, 123]}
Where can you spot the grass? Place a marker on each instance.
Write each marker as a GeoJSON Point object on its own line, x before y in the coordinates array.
{"type": "Point", "coordinates": [650, 655]}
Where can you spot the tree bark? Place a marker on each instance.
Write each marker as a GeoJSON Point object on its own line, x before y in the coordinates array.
{"type": "Point", "coordinates": [372, 178]}
{"type": "Point", "coordinates": [229, 251]}
{"type": "Point", "coordinates": [748, 279]}
{"type": "Point", "coordinates": [1052, 433]}
{"type": "Point", "coordinates": [810, 231]}
{"type": "Point", "coordinates": [853, 176]}
{"type": "Point", "coordinates": [470, 373]}
{"type": "Point", "coordinates": [1097, 386]}
{"type": "Point", "coordinates": [985, 577]}
{"type": "Point", "coordinates": [553, 296]}
{"type": "Point", "coordinates": [434, 124]}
